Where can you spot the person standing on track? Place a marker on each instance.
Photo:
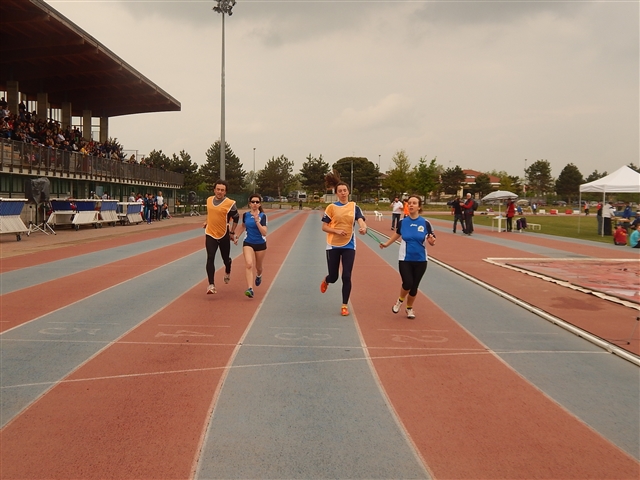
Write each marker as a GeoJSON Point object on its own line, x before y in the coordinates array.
{"type": "Point", "coordinates": [456, 211]}
{"type": "Point", "coordinates": [338, 223]}
{"type": "Point", "coordinates": [511, 212]}
{"type": "Point", "coordinates": [220, 210]}
{"type": "Point", "coordinates": [396, 212]}
{"type": "Point", "coordinates": [254, 246]}
{"type": "Point", "coordinates": [415, 232]}
{"type": "Point", "coordinates": [468, 208]}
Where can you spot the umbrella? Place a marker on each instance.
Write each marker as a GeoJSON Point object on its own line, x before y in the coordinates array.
{"type": "Point", "coordinates": [499, 195]}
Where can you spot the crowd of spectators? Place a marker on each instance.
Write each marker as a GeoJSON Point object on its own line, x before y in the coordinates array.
{"type": "Point", "coordinates": [26, 127]}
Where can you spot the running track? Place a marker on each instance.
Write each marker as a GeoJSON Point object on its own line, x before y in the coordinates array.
{"type": "Point", "coordinates": [115, 364]}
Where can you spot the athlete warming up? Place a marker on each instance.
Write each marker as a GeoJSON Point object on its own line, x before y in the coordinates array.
{"type": "Point", "coordinates": [338, 223]}
{"type": "Point", "coordinates": [415, 232]}
{"type": "Point", "coordinates": [254, 246]}
{"type": "Point", "coordinates": [220, 210]}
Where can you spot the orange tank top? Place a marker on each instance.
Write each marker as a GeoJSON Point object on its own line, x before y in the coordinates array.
{"type": "Point", "coordinates": [217, 217]}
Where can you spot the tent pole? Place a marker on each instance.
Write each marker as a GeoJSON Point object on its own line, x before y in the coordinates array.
{"type": "Point", "coordinates": [579, 209]}
{"type": "Point", "coordinates": [604, 195]}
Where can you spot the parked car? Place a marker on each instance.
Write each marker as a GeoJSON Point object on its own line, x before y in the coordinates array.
{"type": "Point", "coordinates": [384, 200]}
{"type": "Point", "coordinates": [281, 199]}
{"type": "Point", "coordinates": [267, 198]}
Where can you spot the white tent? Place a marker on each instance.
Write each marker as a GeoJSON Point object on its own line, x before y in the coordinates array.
{"type": "Point", "coordinates": [623, 180]}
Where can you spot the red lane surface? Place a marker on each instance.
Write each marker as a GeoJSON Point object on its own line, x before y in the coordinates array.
{"type": "Point", "coordinates": [605, 319]}
{"type": "Point", "coordinates": [139, 408]}
{"type": "Point", "coordinates": [468, 413]}
{"type": "Point", "coordinates": [82, 246]}
{"type": "Point", "coordinates": [18, 307]}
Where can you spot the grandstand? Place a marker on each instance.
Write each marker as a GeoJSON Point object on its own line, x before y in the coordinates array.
{"type": "Point", "coordinates": [52, 71]}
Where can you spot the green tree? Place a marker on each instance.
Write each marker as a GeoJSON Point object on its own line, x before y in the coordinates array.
{"type": "Point", "coordinates": [276, 177]}
{"type": "Point", "coordinates": [365, 174]}
{"type": "Point", "coordinates": [483, 185]}
{"type": "Point", "coordinates": [595, 175]}
{"type": "Point", "coordinates": [157, 159]}
{"type": "Point", "coordinates": [506, 183]}
{"type": "Point", "coordinates": [516, 185]}
{"type": "Point", "coordinates": [183, 164]}
{"type": "Point", "coordinates": [398, 179]}
{"type": "Point", "coordinates": [426, 178]}
{"type": "Point", "coordinates": [312, 174]}
{"type": "Point", "coordinates": [452, 179]}
{"type": "Point", "coordinates": [539, 178]}
{"type": "Point", "coordinates": [234, 173]}
{"type": "Point", "coordinates": [568, 183]}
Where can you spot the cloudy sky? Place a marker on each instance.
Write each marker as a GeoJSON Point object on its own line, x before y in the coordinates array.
{"type": "Point", "coordinates": [480, 84]}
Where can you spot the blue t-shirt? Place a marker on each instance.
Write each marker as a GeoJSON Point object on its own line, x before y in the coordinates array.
{"type": "Point", "coordinates": [413, 247]}
{"type": "Point", "coordinates": [253, 235]}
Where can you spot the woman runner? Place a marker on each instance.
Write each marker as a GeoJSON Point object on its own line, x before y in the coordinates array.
{"type": "Point", "coordinates": [338, 223]}
{"type": "Point", "coordinates": [254, 245]}
{"type": "Point", "coordinates": [414, 231]}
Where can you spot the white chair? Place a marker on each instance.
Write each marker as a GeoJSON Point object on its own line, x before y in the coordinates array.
{"type": "Point", "coordinates": [378, 215]}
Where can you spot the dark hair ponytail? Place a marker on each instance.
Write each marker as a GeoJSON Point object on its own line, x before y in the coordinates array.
{"type": "Point", "coordinates": [332, 180]}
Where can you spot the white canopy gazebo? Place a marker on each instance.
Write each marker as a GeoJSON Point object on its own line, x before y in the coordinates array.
{"type": "Point", "coordinates": [623, 180]}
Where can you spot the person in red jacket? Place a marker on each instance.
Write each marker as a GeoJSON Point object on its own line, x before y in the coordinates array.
{"type": "Point", "coordinates": [511, 212]}
{"type": "Point", "coordinates": [620, 235]}
{"type": "Point", "coordinates": [468, 208]}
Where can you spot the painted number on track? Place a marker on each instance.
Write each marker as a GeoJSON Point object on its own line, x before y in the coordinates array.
{"type": "Point", "coordinates": [421, 338]}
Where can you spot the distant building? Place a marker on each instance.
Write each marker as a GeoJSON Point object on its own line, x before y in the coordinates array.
{"type": "Point", "coordinates": [470, 179]}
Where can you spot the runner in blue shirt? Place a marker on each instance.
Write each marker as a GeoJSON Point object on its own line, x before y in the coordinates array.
{"type": "Point", "coordinates": [415, 231]}
{"type": "Point", "coordinates": [254, 246]}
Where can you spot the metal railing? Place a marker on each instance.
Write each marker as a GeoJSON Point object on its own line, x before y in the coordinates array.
{"type": "Point", "coordinates": [28, 159]}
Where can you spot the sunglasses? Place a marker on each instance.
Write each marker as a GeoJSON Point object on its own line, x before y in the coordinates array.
{"type": "Point", "coordinates": [255, 201]}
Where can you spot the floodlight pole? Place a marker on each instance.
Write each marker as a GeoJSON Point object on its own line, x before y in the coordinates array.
{"type": "Point", "coordinates": [378, 197]}
{"type": "Point", "coordinates": [223, 7]}
{"type": "Point", "coordinates": [254, 169]}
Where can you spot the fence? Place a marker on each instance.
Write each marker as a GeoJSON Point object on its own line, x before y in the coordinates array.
{"type": "Point", "coordinates": [31, 159]}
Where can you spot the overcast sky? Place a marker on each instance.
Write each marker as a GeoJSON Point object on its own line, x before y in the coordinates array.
{"type": "Point", "coordinates": [480, 84]}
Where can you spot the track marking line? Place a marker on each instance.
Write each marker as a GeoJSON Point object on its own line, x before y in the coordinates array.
{"type": "Point", "coordinates": [192, 326]}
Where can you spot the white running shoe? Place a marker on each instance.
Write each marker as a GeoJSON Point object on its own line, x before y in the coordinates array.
{"type": "Point", "coordinates": [410, 313]}
{"type": "Point", "coordinates": [396, 307]}
{"type": "Point", "coordinates": [211, 289]}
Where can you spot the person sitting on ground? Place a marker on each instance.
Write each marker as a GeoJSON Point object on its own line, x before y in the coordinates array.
{"type": "Point", "coordinates": [620, 235]}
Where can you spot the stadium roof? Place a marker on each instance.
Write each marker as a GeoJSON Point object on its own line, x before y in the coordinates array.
{"type": "Point", "coordinates": [45, 52]}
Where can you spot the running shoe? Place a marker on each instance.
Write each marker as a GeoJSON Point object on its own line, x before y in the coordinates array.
{"type": "Point", "coordinates": [344, 311]}
{"type": "Point", "coordinates": [324, 285]}
{"type": "Point", "coordinates": [258, 280]}
{"type": "Point", "coordinates": [227, 277]}
{"type": "Point", "coordinates": [249, 292]}
{"type": "Point", "coordinates": [396, 307]}
{"type": "Point", "coordinates": [211, 289]}
{"type": "Point", "coordinates": [410, 313]}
